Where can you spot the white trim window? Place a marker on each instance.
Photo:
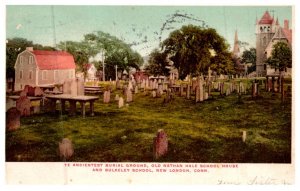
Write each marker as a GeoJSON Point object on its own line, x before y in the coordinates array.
{"type": "Point", "coordinates": [30, 75]}
{"type": "Point", "coordinates": [21, 74]}
{"type": "Point", "coordinates": [21, 59]}
{"type": "Point", "coordinates": [30, 60]}
{"type": "Point", "coordinates": [44, 75]}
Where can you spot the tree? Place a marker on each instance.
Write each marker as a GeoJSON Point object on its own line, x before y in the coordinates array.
{"type": "Point", "coordinates": [192, 49]}
{"type": "Point", "coordinates": [222, 63]}
{"type": "Point", "coordinates": [115, 51]}
{"type": "Point", "coordinates": [249, 56]}
{"type": "Point", "coordinates": [157, 63]}
{"type": "Point", "coordinates": [281, 56]}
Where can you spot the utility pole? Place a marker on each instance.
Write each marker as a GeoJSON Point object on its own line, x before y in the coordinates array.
{"type": "Point", "coordinates": [116, 72]}
{"type": "Point", "coordinates": [103, 75]}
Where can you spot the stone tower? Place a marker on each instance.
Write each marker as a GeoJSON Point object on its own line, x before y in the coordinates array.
{"type": "Point", "coordinates": [265, 30]}
{"type": "Point", "coordinates": [236, 47]}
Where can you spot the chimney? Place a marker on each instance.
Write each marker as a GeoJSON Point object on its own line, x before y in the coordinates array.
{"type": "Point", "coordinates": [29, 49]}
{"type": "Point", "coordinates": [286, 24]}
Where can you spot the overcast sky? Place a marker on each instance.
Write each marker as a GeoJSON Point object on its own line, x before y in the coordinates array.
{"type": "Point", "coordinates": [139, 24]}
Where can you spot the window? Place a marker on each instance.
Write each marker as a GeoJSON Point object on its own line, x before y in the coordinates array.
{"type": "Point", "coordinates": [44, 75]}
{"type": "Point", "coordinates": [30, 60]}
{"type": "Point", "coordinates": [21, 59]}
{"type": "Point", "coordinates": [30, 75]}
{"type": "Point", "coordinates": [21, 74]}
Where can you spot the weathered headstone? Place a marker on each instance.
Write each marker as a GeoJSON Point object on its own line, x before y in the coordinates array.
{"type": "Point", "coordinates": [153, 93]}
{"type": "Point", "coordinates": [67, 87]}
{"type": "Point", "coordinates": [205, 96]}
{"type": "Point", "coordinates": [181, 89]}
{"type": "Point", "coordinates": [13, 119]}
{"type": "Point", "coordinates": [136, 89]}
{"type": "Point", "coordinates": [106, 97]}
{"type": "Point", "coordinates": [121, 102]}
{"type": "Point", "coordinates": [117, 97]}
{"type": "Point", "coordinates": [244, 136]}
{"type": "Point", "coordinates": [160, 144]}
{"type": "Point", "coordinates": [35, 109]}
{"type": "Point", "coordinates": [10, 103]}
{"type": "Point", "coordinates": [80, 86]}
{"type": "Point", "coordinates": [188, 91]}
{"type": "Point", "coordinates": [197, 97]}
{"type": "Point", "coordinates": [128, 95]}
{"type": "Point", "coordinates": [201, 93]}
{"type": "Point", "coordinates": [23, 105]}
{"type": "Point", "coordinates": [118, 84]}
{"type": "Point", "coordinates": [66, 149]}
{"type": "Point", "coordinates": [23, 93]}
{"type": "Point", "coordinates": [254, 90]}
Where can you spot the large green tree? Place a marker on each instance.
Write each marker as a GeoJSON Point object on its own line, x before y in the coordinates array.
{"type": "Point", "coordinates": [192, 49]}
{"type": "Point", "coordinates": [115, 51]}
{"type": "Point", "coordinates": [281, 56]}
{"type": "Point", "coordinates": [249, 56]}
{"type": "Point", "coordinates": [157, 64]}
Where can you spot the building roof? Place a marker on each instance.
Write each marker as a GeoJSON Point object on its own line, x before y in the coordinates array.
{"type": "Point", "coordinates": [87, 66]}
{"type": "Point", "coordinates": [52, 60]}
{"type": "Point", "coordinates": [266, 19]}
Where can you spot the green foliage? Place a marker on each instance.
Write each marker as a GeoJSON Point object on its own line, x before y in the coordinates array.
{"type": "Point", "coordinates": [281, 56]}
{"type": "Point", "coordinates": [222, 63]}
{"type": "Point", "coordinates": [79, 51]}
{"type": "Point", "coordinates": [116, 52]}
{"type": "Point", "coordinates": [190, 48]}
{"type": "Point", "coordinates": [249, 56]}
{"type": "Point", "coordinates": [157, 63]}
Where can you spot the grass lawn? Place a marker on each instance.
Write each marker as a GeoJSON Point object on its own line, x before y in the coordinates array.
{"type": "Point", "coordinates": [210, 131]}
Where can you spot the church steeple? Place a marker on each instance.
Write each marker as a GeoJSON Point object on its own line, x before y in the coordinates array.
{"type": "Point", "coordinates": [236, 46]}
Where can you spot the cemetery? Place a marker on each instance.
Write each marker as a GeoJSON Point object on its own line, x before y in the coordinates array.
{"type": "Point", "coordinates": [167, 90]}
{"type": "Point", "coordinates": [237, 120]}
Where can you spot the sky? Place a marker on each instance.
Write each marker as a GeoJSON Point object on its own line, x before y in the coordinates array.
{"type": "Point", "coordinates": [139, 24]}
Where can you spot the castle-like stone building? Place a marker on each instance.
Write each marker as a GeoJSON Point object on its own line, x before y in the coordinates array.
{"type": "Point", "coordinates": [269, 32]}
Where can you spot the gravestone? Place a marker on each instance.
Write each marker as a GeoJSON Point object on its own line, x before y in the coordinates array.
{"type": "Point", "coordinates": [73, 87]}
{"type": "Point", "coordinates": [181, 90]}
{"type": "Point", "coordinates": [128, 95]}
{"type": "Point", "coordinates": [23, 105]}
{"type": "Point", "coordinates": [254, 90]}
{"type": "Point", "coordinates": [160, 144]}
{"type": "Point", "coordinates": [117, 97]}
{"type": "Point", "coordinates": [201, 91]}
{"type": "Point", "coordinates": [228, 92]}
{"type": "Point", "coordinates": [136, 89]}
{"type": "Point", "coordinates": [10, 103]}
{"type": "Point", "coordinates": [130, 86]}
{"type": "Point", "coordinates": [13, 119]}
{"type": "Point", "coordinates": [188, 92]}
{"type": "Point", "coordinates": [121, 102]}
{"type": "Point", "coordinates": [67, 87]}
{"type": "Point", "coordinates": [197, 97]}
{"type": "Point", "coordinates": [80, 86]}
{"type": "Point", "coordinates": [23, 93]}
{"type": "Point", "coordinates": [36, 109]}
{"type": "Point", "coordinates": [205, 96]}
{"type": "Point", "coordinates": [66, 149]}
{"type": "Point", "coordinates": [154, 94]}
{"type": "Point", "coordinates": [244, 136]}
{"type": "Point", "coordinates": [106, 96]}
